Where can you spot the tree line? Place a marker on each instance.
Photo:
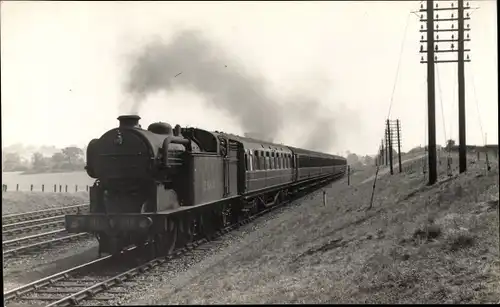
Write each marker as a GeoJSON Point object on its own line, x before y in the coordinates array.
{"type": "Point", "coordinates": [68, 159]}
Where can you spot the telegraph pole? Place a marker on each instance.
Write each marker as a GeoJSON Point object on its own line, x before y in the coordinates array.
{"type": "Point", "coordinates": [462, 154]}
{"type": "Point", "coordinates": [399, 144]}
{"type": "Point", "coordinates": [389, 140]}
{"type": "Point", "coordinates": [431, 94]}
{"type": "Point", "coordinates": [431, 60]}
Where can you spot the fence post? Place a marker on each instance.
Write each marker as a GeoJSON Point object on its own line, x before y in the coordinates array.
{"type": "Point", "coordinates": [17, 187]}
{"type": "Point", "coordinates": [60, 188]}
{"type": "Point", "coordinates": [324, 198]}
{"type": "Point", "coordinates": [348, 175]}
{"type": "Point", "coordinates": [488, 166]}
{"type": "Point", "coordinates": [55, 188]}
{"type": "Point", "coordinates": [87, 188]}
{"type": "Point", "coordinates": [76, 188]}
{"type": "Point", "coordinates": [4, 188]}
{"type": "Point", "coordinates": [31, 188]}
{"type": "Point", "coordinates": [66, 189]}
{"type": "Point", "coordinates": [43, 188]}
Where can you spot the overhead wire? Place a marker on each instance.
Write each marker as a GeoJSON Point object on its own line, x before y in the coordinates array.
{"type": "Point", "coordinates": [453, 103]}
{"type": "Point", "coordinates": [399, 63]}
{"type": "Point", "coordinates": [477, 106]}
{"type": "Point", "coordinates": [440, 94]}
{"type": "Point", "coordinates": [397, 70]}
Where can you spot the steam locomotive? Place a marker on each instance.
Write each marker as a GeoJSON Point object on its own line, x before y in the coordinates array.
{"type": "Point", "coordinates": [165, 187]}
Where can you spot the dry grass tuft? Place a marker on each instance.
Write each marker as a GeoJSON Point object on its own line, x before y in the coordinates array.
{"type": "Point", "coordinates": [428, 233]}
{"type": "Point", "coordinates": [460, 239]}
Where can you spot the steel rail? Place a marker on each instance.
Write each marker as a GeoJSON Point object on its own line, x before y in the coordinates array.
{"type": "Point", "coordinates": [16, 251]}
{"type": "Point", "coordinates": [17, 217]}
{"type": "Point", "coordinates": [16, 231]}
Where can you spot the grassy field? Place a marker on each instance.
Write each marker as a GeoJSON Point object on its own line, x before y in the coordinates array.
{"type": "Point", "coordinates": [11, 179]}
{"type": "Point", "coordinates": [20, 202]}
{"type": "Point", "coordinates": [418, 244]}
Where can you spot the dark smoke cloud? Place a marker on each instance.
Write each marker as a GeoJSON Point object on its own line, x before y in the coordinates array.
{"type": "Point", "coordinates": [191, 61]}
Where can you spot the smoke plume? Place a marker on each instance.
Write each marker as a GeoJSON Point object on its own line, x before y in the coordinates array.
{"type": "Point", "coordinates": [191, 61]}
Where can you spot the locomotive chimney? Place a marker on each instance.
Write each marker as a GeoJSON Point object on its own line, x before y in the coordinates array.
{"type": "Point", "coordinates": [129, 120]}
{"type": "Point", "coordinates": [177, 130]}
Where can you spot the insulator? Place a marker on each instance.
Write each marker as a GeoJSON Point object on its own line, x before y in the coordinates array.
{"type": "Point", "coordinates": [452, 36]}
{"type": "Point", "coordinates": [437, 26]}
{"type": "Point", "coordinates": [452, 14]}
{"type": "Point", "coordinates": [452, 46]}
{"type": "Point", "coordinates": [452, 4]}
{"type": "Point", "coordinates": [468, 57]}
{"type": "Point", "coordinates": [421, 6]}
{"type": "Point", "coordinates": [436, 48]}
{"type": "Point", "coordinates": [467, 35]}
{"type": "Point", "coordinates": [437, 16]}
{"type": "Point", "coordinates": [467, 4]}
{"type": "Point", "coordinates": [468, 26]}
{"type": "Point", "coordinates": [421, 58]}
{"type": "Point", "coordinates": [422, 37]}
{"type": "Point", "coordinates": [467, 15]}
{"type": "Point", "coordinates": [437, 5]}
{"type": "Point", "coordinates": [452, 26]}
{"type": "Point", "coordinates": [421, 26]}
{"type": "Point", "coordinates": [421, 48]}
{"type": "Point", "coordinates": [421, 17]}
{"type": "Point", "coordinates": [437, 36]}
{"type": "Point", "coordinates": [435, 57]}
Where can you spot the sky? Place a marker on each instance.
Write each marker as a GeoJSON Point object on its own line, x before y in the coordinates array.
{"type": "Point", "coordinates": [65, 66]}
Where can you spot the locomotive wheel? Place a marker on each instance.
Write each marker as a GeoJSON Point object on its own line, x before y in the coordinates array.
{"type": "Point", "coordinates": [185, 232]}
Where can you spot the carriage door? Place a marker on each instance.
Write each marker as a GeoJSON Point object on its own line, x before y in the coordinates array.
{"type": "Point", "coordinates": [225, 167]}
{"type": "Point", "coordinates": [232, 168]}
{"type": "Point", "coordinates": [295, 167]}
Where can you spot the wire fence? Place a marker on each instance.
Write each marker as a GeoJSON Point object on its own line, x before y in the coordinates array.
{"type": "Point", "coordinates": [54, 188]}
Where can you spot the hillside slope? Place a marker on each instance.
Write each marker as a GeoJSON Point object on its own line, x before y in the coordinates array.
{"type": "Point", "coordinates": [417, 244]}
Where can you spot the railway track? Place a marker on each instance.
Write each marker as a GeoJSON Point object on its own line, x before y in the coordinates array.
{"type": "Point", "coordinates": [14, 247]}
{"type": "Point", "coordinates": [31, 222]}
{"type": "Point", "coordinates": [74, 286]}
{"type": "Point", "coordinates": [21, 232]}
{"type": "Point", "coordinates": [34, 215]}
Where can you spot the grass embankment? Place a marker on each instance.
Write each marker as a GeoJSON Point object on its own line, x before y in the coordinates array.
{"type": "Point", "coordinates": [418, 244]}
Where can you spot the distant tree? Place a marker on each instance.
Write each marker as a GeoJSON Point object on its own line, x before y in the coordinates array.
{"type": "Point", "coordinates": [73, 155]}
{"type": "Point", "coordinates": [368, 160]}
{"type": "Point", "coordinates": [12, 162]}
{"type": "Point", "coordinates": [39, 162]}
{"type": "Point", "coordinates": [58, 161]}
{"type": "Point", "coordinates": [449, 144]}
{"type": "Point", "coordinates": [353, 159]}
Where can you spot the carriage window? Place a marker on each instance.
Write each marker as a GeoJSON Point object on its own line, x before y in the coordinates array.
{"type": "Point", "coordinates": [249, 158]}
{"type": "Point", "coordinates": [271, 161]}
{"type": "Point", "coordinates": [280, 160]}
{"type": "Point", "coordinates": [266, 160]}
{"type": "Point", "coordinates": [246, 162]}
{"type": "Point", "coordinates": [278, 164]}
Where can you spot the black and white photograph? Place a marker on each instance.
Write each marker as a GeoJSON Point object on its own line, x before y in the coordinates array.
{"type": "Point", "coordinates": [249, 152]}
